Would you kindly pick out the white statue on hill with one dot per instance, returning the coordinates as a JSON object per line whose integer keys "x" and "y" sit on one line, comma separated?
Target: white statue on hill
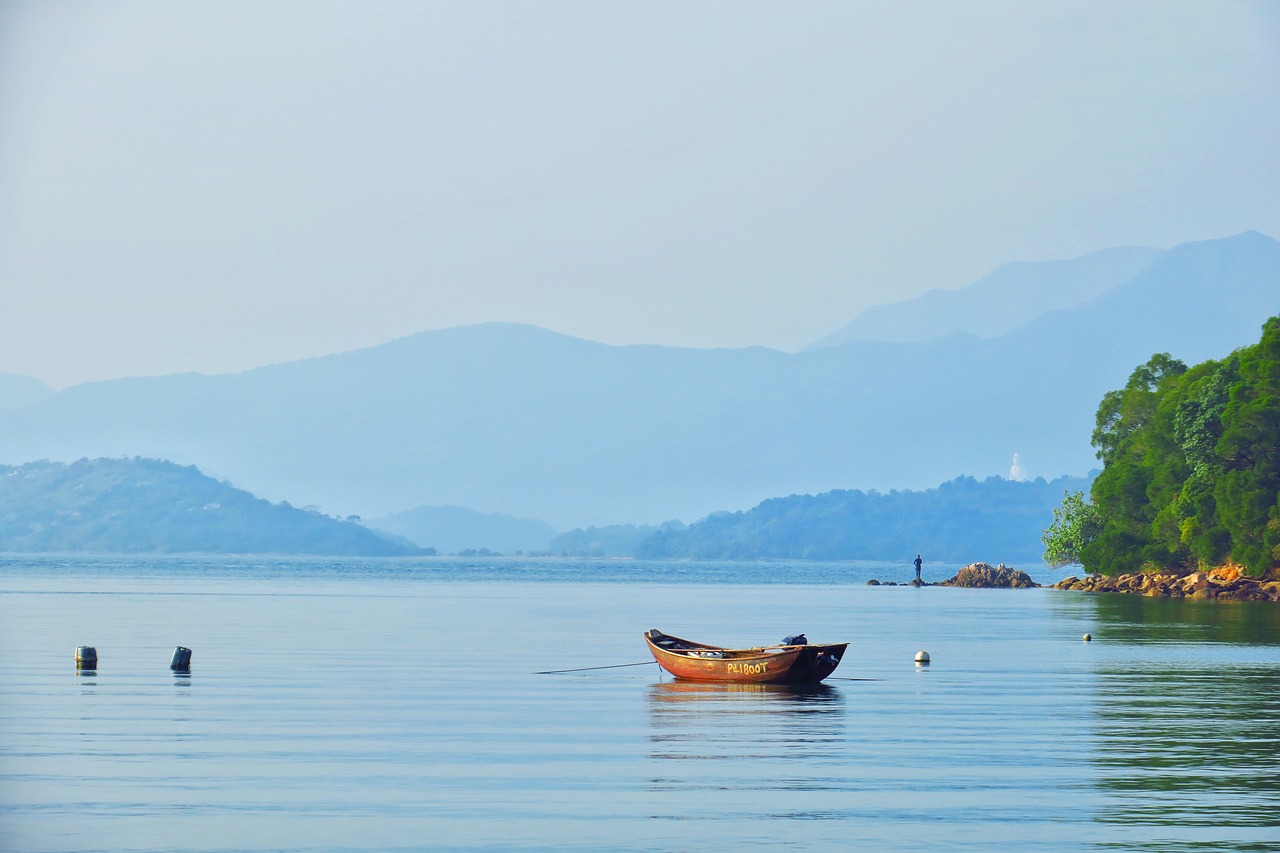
{"x": 1016, "y": 471}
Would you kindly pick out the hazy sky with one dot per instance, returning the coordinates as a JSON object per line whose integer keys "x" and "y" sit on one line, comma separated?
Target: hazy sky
{"x": 217, "y": 186}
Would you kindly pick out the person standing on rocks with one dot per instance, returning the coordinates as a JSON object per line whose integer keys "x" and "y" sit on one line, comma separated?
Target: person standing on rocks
{"x": 919, "y": 563}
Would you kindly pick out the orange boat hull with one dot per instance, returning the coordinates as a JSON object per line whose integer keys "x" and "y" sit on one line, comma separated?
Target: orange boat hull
{"x": 691, "y": 661}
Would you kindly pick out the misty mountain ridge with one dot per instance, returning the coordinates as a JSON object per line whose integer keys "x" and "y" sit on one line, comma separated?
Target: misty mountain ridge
{"x": 149, "y": 506}
{"x": 512, "y": 419}
{"x": 961, "y": 521}
{"x": 1008, "y": 298}
{"x": 18, "y": 391}
{"x": 964, "y": 520}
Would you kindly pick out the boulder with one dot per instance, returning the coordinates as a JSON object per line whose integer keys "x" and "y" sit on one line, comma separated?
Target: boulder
{"x": 984, "y": 576}
{"x": 1226, "y": 574}
{"x": 1195, "y": 582}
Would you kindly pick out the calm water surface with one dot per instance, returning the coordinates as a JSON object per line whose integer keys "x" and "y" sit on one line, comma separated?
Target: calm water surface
{"x": 396, "y": 705}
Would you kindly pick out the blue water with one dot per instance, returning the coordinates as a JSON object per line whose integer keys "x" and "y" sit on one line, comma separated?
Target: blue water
{"x": 395, "y": 705}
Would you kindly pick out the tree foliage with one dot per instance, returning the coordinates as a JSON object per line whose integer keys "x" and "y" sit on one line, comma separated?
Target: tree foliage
{"x": 1191, "y": 460}
{"x": 1075, "y": 524}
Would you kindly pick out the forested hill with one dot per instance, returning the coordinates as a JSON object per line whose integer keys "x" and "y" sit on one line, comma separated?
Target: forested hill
{"x": 149, "y": 506}
{"x": 1191, "y": 474}
{"x": 965, "y": 520}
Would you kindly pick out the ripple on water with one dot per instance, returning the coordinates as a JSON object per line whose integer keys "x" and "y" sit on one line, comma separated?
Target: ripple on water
{"x": 399, "y": 709}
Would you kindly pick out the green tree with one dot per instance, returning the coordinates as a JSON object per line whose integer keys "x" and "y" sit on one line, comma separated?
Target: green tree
{"x": 1075, "y": 525}
{"x": 1129, "y": 449}
{"x": 1246, "y": 491}
{"x": 1124, "y": 413}
{"x": 1191, "y": 462}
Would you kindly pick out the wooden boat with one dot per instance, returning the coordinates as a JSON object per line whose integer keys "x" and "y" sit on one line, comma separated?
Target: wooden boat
{"x": 781, "y": 664}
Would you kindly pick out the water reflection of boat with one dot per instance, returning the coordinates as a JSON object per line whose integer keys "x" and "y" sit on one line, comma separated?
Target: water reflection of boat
{"x": 713, "y": 726}
{"x": 781, "y": 664}
{"x": 793, "y": 696}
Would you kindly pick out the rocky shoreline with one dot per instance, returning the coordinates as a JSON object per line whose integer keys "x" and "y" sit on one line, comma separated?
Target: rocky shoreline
{"x": 1226, "y": 583}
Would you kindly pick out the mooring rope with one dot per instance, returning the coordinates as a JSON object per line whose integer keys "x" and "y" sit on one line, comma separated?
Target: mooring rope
{"x": 588, "y": 668}
{"x": 647, "y": 662}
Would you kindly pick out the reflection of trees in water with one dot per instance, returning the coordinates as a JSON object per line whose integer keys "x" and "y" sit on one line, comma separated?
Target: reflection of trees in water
{"x": 1191, "y": 742}
{"x": 1190, "y": 748}
{"x": 1136, "y": 618}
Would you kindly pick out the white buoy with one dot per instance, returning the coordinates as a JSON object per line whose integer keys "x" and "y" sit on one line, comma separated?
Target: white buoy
{"x": 922, "y": 657}
{"x": 1088, "y": 637}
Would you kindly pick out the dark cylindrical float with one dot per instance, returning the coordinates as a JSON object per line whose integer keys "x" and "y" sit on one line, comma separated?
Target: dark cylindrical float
{"x": 86, "y": 657}
{"x": 181, "y": 659}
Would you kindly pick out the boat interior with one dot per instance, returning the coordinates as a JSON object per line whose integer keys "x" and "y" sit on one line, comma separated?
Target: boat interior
{"x": 679, "y": 646}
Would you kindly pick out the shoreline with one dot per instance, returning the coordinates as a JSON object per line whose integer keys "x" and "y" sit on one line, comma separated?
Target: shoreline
{"x": 1226, "y": 583}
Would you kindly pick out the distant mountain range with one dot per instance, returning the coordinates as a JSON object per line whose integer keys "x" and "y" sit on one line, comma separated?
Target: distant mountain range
{"x": 150, "y": 506}
{"x": 1007, "y": 299}
{"x": 139, "y": 506}
{"x": 962, "y": 521}
{"x": 521, "y": 421}
{"x": 17, "y": 392}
